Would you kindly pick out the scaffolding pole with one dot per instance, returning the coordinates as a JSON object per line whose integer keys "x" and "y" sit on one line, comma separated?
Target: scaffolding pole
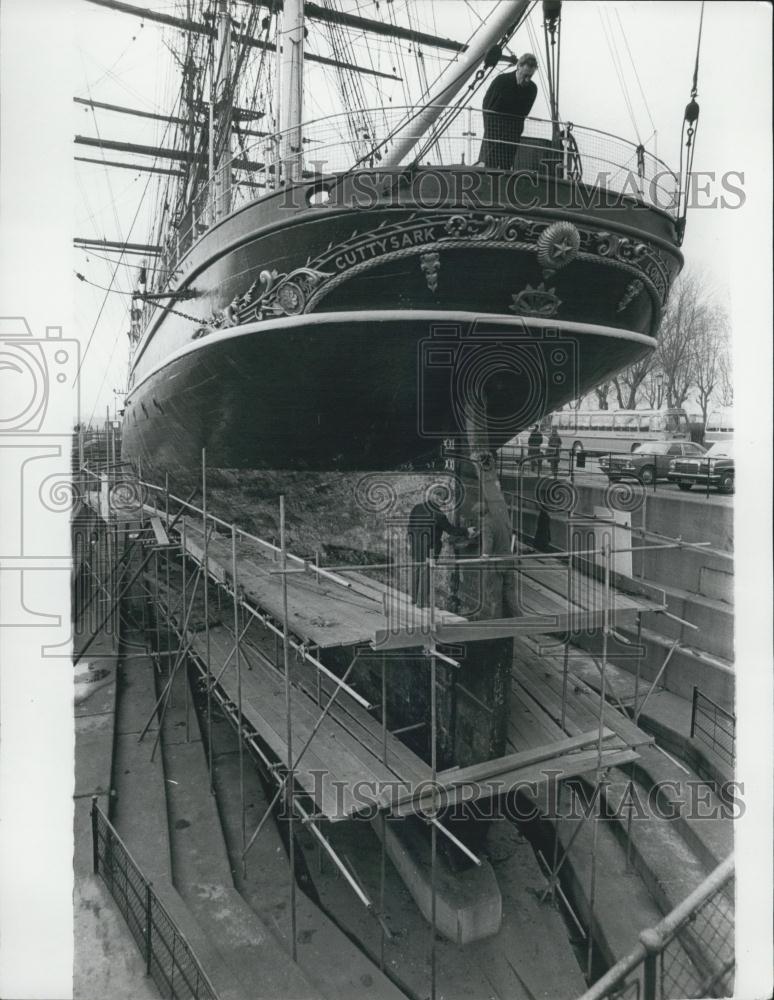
{"x": 237, "y": 641}
{"x": 289, "y": 785}
{"x": 283, "y": 782}
{"x": 205, "y": 534}
{"x": 168, "y": 645}
{"x": 187, "y": 693}
{"x": 434, "y": 775}
{"x": 247, "y": 736}
{"x": 181, "y": 652}
{"x": 230, "y": 711}
{"x": 79, "y": 656}
{"x": 383, "y": 815}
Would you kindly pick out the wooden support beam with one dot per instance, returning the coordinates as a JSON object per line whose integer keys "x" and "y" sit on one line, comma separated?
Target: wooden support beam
{"x": 491, "y": 768}
{"x": 165, "y": 152}
{"x": 174, "y": 119}
{"x": 130, "y": 166}
{"x": 202, "y": 29}
{"x": 456, "y": 776}
{"x": 557, "y": 768}
{"x": 131, "y": 111}
{"x": 317, "y": 13}
{"x": 93, "y": 244}
{"x": 159, "y": 531}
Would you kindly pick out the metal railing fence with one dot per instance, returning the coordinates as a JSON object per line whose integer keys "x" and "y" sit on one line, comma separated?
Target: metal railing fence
{"x": 714, "y": 726}
{"x": 599, "y": 160}
{"x": 658, "y": 968}
{"x": 168, "y": 956}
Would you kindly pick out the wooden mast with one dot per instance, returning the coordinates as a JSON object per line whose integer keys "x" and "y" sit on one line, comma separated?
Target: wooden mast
{"x": 220, "y": 121}
{"x": 290, "y": 68}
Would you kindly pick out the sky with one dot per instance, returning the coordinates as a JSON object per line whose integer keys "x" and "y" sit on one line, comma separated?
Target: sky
{"x": 51, "y": 50}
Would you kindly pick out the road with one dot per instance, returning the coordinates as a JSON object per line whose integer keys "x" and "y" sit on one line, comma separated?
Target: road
{"x": 592, "y": 475}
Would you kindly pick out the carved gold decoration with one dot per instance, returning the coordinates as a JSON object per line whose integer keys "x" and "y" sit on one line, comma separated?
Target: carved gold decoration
{"x": 431, "y": 232}
{"x": 430, "y": 264}
{"x": 538, "y": 301}
{"x": 633, "y": 289}
{"x": 427, "y": 234}
{"x": 557, "y": 246}
{"x": 271, "y": 294}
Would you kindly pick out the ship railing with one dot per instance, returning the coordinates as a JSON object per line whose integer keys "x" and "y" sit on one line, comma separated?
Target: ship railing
{"x": 702, "y": 927}
{"x": 342, "y": 143}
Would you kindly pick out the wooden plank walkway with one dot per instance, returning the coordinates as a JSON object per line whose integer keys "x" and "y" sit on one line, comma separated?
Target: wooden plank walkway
{"x": 345, "y": 769}
{"x": 322, "y": 612}
{"x": 349, "y": 747}
{"x": 584, "y": 591}
{"x": 536, "y": 703}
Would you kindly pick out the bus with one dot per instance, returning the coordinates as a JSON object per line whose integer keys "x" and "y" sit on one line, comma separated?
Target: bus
{"x": 720, "y": 425}
{"x": 598, "y": 431}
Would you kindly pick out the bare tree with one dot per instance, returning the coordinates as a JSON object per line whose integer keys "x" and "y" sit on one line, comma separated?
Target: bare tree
{"x": 685, "y": 316}
{"x": 629, "y": 383}
{"x": 726, "y": 376}
{"x": 710, "y": 344}
{"x": 602, "y": 391}
{"x": 577, "y": 404}
{"x": 652, "y": 388}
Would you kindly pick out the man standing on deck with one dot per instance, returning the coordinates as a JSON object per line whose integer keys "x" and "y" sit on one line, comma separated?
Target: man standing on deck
{"x": 427, "y": 524}
{"x": 507, "y": 102}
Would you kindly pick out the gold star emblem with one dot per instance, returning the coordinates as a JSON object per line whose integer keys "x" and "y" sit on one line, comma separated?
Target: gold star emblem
{"x": 561, "y": 249}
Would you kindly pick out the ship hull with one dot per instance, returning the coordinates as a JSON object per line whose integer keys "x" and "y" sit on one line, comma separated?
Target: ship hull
{"x": 369, "y": 390}
{"x": 304, "y": 336}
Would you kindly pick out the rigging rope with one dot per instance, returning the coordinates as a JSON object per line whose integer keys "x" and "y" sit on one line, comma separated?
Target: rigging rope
{"x": 418, "y": 110}
{"x": 445, "y": 121}
{"x": 110, "y": 289}
{"x": 687, "y": 143}
{"x": 636, "y": 74}
{"x": 535, "y": 48}
{"x": 608, "y": 33}
{"x": 694, "y": 88}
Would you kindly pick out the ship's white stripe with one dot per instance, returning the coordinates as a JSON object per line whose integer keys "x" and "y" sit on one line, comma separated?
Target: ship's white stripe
{"x": 393, "y": 315}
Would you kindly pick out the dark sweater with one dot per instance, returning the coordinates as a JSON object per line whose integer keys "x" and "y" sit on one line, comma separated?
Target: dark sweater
{"x": 427, "y": 526}
{"x": 506, "y": 105}
{"x": 506, "y": 97}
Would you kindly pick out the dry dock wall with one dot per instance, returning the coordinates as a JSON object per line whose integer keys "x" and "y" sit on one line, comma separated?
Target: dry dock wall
{"x": 698, "y": 583}
{"x": 704, "y": 573}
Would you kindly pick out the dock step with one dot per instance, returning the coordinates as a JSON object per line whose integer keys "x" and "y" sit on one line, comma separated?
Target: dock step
{"x": 468, "y": 904}
{"x": 140, "y": 809}
{"x": 201, "y": 867}
{"x": 336, "y": 966}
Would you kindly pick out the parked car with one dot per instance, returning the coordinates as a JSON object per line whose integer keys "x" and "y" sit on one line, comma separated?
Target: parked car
{"x": 715, "y": 468}
{"x": 649, "y": 461}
